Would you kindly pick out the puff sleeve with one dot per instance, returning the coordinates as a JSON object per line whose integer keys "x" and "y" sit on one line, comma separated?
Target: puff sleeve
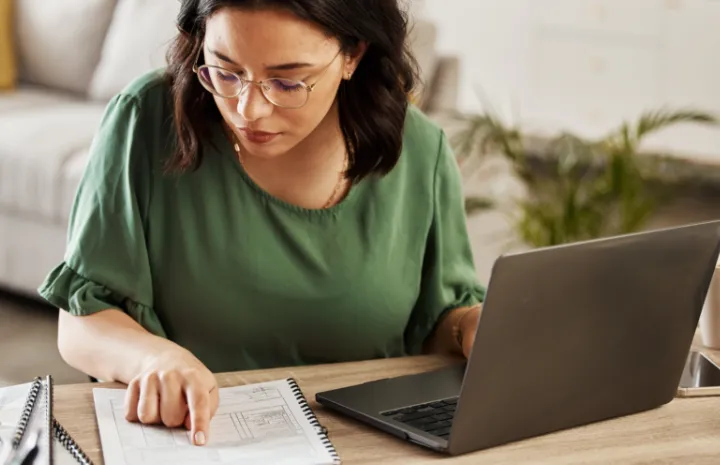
{"x": 449, "y": 278}
{"x": 106, "y": 263}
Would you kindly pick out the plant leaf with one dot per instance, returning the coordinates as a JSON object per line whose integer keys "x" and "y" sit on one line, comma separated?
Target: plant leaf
{"x": 476, "y": 204}
{"x": 652, "y": 121}
{"x": 599, "y": 187}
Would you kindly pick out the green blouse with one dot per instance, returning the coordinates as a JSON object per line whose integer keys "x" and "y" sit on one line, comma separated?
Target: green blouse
{"x": 245, "y": 280}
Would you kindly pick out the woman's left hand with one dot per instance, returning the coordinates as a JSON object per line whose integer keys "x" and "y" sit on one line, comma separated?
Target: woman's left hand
{"x": 468, "y": 327}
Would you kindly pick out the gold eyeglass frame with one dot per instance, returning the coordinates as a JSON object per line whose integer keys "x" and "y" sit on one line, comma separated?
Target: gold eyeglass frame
{"x": 261, "y": 84}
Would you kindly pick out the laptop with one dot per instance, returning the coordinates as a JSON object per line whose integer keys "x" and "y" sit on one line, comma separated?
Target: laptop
{"x": 569, "y": 335}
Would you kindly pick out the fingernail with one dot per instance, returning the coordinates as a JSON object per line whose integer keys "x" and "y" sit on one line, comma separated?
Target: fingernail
{"x": 200, "y": 438}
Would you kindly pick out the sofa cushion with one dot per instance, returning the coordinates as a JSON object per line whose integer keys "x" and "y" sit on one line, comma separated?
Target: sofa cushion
{"x": 36, "y": 146}
{"x": 28, "y": 249}
{"x": 59, "y": 41}
{"x": 70, "y": 177}
{"x": 25, "y": 97}
{"x": 137, "y": 41}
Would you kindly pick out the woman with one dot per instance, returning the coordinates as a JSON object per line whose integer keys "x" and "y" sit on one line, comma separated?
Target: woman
{"x": 271, "y": 199}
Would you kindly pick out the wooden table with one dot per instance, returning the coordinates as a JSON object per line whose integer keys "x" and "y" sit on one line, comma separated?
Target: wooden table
{"x": 685, "y": 431}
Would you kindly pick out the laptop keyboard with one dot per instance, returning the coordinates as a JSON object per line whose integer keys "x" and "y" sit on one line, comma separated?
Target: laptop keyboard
{"x": 433, "y": 417}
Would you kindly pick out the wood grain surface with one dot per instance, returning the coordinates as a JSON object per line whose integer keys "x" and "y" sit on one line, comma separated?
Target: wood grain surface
{"x": 685, "y": 431}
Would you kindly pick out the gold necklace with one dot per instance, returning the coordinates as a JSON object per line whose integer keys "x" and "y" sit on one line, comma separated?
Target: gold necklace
{"x": 338, "y": 184}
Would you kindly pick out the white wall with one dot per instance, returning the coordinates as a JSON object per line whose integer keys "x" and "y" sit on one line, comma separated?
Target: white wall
{"x": 585, "y": 65}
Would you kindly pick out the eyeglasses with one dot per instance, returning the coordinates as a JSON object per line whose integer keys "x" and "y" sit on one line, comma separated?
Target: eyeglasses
{"x": 283, "y": 93}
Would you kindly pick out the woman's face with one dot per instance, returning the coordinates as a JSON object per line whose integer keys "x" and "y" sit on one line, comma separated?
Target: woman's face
{"x": 265, "y": 44}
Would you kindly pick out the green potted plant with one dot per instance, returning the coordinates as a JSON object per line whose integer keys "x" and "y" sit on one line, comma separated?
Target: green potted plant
{"x": 576, "y": 188}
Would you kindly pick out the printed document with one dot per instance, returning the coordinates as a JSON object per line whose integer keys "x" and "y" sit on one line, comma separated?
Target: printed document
{"x": 267, "y": 422}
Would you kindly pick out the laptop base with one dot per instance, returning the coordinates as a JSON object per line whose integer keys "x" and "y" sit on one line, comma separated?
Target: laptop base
{"x": 371, "y": 402}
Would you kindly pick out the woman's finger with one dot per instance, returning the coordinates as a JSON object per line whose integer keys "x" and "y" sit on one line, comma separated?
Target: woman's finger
{"x": 199, "y": 405}
{"x": 172, "y": 402}
{"x": 214, "y": 403}
{"x": 148, "y": 405}
{"x": 132, "y": 396}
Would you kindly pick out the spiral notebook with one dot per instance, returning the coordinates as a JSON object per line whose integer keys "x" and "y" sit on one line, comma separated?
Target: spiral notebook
{"x": 26, "y": 415}
{"x": 269, "y": 422}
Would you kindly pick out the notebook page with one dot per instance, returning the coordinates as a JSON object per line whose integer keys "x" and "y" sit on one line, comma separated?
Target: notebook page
{"x": 12, "y": 402}
{"x": 254, "y": 424}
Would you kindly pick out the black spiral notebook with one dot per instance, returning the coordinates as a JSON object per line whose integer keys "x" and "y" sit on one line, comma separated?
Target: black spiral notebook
{"x": 28, "y": 428}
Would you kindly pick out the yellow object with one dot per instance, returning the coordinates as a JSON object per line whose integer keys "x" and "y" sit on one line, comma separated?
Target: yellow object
{"x": 8, "y": 65}
{"x": 413, "y": 97}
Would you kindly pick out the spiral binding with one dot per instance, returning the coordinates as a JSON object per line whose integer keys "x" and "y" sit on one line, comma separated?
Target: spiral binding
{"x": 312, "y": 418}
{"x": 60, "y": 433}
{"x": 69, "y": 444}
{"x": 27, "y": 412}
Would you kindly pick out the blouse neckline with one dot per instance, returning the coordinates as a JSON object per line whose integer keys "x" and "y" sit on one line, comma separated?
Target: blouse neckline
{"x": 227, "y": 150}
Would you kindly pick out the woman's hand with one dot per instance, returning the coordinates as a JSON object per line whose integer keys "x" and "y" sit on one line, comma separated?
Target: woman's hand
{"x": 455, "y": 333}
{"x": 174, "y": 389}
{"x": 467, "y": 328}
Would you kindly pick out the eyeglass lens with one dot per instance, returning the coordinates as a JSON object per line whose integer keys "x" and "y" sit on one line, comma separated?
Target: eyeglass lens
{"x": 281, "y": 92}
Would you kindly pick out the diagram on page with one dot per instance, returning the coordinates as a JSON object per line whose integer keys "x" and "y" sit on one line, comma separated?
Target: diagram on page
{"x": 262, "y": 424}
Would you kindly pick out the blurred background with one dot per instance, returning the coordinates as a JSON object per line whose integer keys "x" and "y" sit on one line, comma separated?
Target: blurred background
{"x": 571, "y": 119}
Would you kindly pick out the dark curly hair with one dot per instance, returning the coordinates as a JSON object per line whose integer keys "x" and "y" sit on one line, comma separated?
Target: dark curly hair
{"x": 372, "y": 106}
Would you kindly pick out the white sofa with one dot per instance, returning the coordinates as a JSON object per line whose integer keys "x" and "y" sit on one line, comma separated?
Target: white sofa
{"x": 74, "y": 55}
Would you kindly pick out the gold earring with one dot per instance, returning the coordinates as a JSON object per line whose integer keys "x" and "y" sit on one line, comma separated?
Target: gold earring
{"x": 348, "y": 75}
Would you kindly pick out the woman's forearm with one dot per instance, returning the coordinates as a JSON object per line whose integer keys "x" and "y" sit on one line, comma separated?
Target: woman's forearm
{"x": 453, "y": 328}
{"x": 108, "y": 345}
